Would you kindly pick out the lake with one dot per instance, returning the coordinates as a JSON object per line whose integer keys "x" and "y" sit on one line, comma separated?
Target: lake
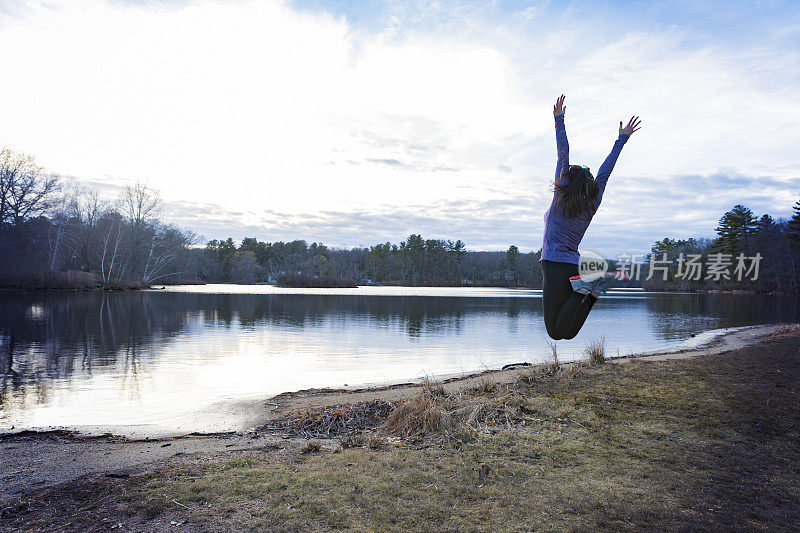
{"x": 160, "y": 358}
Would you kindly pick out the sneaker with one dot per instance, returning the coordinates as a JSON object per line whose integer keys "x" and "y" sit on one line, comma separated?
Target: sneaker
{"x": 603, "y": 283}
{"x": 581, "y": 285}
{"x": 596, "y": 286}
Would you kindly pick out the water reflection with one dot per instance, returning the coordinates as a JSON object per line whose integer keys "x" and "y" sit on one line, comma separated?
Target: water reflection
{"x": 143, "y": 357}
{"x": 673, "y": 315}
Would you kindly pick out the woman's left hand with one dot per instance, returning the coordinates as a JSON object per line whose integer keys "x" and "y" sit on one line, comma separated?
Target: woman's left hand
{"x": 633, "y": 125}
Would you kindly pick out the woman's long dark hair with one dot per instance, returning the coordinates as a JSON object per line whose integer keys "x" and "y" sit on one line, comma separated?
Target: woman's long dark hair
{"x": 577, "y": 193}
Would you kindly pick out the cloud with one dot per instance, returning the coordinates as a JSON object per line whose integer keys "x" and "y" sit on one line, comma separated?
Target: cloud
{"x": 629, "y": 220}
{"x": 374, "y": 122}
{"x": 414, "y": 166}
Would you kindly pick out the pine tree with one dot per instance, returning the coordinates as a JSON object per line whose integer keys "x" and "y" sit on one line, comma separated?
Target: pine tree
{"x": 794, "y": 225}
{"x": 512, "y": 255}
{"x": 667, "y": 246}
{"x": 734, "y": 228}
{"x": 766, "y": 222}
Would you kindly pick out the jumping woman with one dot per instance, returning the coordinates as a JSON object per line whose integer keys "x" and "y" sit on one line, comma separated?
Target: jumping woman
{"x": 567, "y": 298}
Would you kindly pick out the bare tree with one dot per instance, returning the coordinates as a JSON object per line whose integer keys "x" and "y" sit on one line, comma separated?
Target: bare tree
{"x": 87, "y": 208}
{"x": 166, "y": 243}
{"x": 60, "y": 235}
{"x": 25, "y": 189}
{"x": 140, "y": 203}
{"x": 109, "y": 254}
{"x": 141, "y": 206}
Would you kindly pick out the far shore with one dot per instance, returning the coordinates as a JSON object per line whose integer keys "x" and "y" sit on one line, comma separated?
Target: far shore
{"x": 24, "y": 287}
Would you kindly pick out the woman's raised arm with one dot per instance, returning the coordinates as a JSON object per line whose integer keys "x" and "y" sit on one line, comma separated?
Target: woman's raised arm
{"x": 562, "y": 145}
{"x": 608, "y": 165}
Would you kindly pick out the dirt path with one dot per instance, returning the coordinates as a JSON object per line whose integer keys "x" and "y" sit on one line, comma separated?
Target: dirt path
{"x": 35, "y": 460}
{"x": 31, "y": 461}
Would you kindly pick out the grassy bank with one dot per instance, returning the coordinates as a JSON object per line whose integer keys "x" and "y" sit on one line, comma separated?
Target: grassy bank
{"x": 702, "y": 443}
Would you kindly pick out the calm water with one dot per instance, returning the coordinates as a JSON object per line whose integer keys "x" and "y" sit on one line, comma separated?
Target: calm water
{"x": 104, "y": 359}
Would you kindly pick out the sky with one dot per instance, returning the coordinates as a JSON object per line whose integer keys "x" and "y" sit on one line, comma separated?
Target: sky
{"x": 354, "y": 123}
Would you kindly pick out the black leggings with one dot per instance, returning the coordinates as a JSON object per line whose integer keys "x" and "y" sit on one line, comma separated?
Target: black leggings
{"x": 565, "y": 310}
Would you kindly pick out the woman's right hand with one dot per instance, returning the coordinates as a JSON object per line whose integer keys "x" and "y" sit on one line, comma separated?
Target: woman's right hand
{"x": 559, "y": 108}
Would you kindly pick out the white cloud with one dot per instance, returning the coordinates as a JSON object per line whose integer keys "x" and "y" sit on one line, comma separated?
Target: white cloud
{"x": 258, "y": 108}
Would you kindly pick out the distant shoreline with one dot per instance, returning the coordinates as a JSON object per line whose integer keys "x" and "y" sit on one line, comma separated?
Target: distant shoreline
{"x": 161, "y": 286}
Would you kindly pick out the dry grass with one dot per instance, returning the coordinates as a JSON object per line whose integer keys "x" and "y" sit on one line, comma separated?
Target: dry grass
{"x": 553, "y": 366}
{"x": 376, "y": 442}
{"x": 354, "y": 440}
{"x": 436, "y": 412}
{"x": 482, "y": 408}
{"x": 596, "y": 351}
{"x": 424, "y": 414}
{"x": 550, "y": 368}
{"x": 432, "y": 388}
{"x": 485, "y": 385}
{"x": 332, "y": 421}
{"x": 311, "y": 447}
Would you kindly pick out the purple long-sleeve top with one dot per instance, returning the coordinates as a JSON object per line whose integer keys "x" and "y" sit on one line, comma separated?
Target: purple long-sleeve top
{"x": 562, "y": 234}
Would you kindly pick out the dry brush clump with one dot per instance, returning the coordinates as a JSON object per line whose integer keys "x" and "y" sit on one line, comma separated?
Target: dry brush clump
{"x": 311, "y": 447}
{"x": 550, "y": 368}
{"x": 787, "y": 330}
{"x": 483, "y": 386}
{"x": 553, "y": 366}
{"x": 422, "y": 414}
{"x": 434, "y": 412}
{"x": 594, "y": 354}
{"x": 596, "y": 351}
{"x": 333, "y": 421}
{"x": 433, "y": 388}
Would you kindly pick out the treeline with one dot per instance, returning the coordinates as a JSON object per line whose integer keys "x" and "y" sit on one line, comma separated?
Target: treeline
{"x": 49, "y": 228}
{"x": 750, "y": 253}
{"x": 414, "y": 261}
{"x": 55, "y": 234}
